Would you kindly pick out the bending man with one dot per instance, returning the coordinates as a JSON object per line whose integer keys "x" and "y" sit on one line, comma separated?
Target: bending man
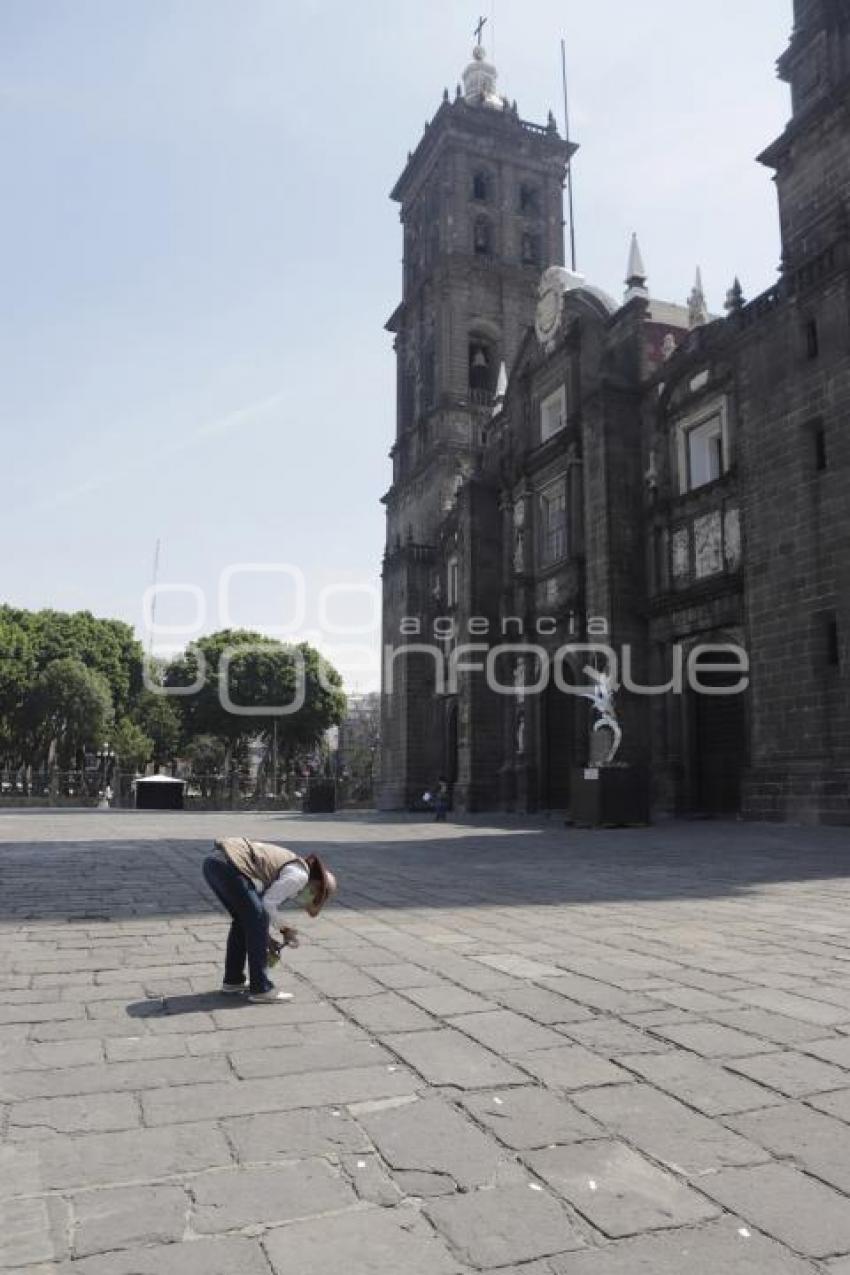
{"x": 254, "y": 880}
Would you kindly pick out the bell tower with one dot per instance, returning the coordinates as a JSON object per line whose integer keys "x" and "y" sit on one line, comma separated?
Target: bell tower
{"x": 481, "y": 207}
{"x": 810, "y": 159}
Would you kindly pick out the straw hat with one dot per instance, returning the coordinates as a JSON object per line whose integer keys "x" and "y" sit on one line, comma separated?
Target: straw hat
{"x": 324, "y": 878}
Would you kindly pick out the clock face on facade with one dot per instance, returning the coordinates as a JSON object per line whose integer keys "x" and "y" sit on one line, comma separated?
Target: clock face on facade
{"x": 548, "y": 314}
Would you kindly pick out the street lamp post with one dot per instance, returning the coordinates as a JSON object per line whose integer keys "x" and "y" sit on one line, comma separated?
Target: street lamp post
{"x": 104, "y": 756}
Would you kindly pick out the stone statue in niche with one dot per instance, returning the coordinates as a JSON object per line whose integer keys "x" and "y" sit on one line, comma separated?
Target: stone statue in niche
{"x": 520, "y": 734}
{"x": 519, "y": 535}
{"x": 519, "y": 549}
{"x": 601, "y": 697}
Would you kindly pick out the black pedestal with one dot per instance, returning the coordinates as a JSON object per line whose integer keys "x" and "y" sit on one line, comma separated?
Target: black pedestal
{"x": 610, "y": 796}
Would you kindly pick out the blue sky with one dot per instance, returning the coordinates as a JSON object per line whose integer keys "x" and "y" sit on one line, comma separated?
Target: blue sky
{"x": 198, "y": 256}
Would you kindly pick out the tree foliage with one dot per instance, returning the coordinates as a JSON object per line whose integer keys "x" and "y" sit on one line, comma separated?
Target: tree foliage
{"x": 68, "y": 707}
{"x": 69, "y": 680}
{"x": 18, "y": 671}
{"x": 132, "y": 747}
{"x": 159, "y": 719}
{"x": 33, "y": 644}
{"x": 244, "y": 670}
{"x": 205, "y": 755}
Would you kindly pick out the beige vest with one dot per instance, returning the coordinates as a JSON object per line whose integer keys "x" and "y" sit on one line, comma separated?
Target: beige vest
{"x": 260, "y": 860}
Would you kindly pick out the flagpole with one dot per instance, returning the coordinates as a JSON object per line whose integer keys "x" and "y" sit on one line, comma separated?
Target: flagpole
{"x": 153, "y": 599}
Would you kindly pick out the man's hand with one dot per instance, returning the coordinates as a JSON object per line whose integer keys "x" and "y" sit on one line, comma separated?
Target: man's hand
{"x": 290, "y": 936}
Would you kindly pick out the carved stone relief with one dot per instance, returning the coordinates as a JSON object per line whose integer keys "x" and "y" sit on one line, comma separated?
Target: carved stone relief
{"x": 732, "y": 539}
{"x": 681, "y": 555}
{"x": 708, "y": 545}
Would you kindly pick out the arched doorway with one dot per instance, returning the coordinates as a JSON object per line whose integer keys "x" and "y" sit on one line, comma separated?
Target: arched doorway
{"x": 718, "y": 737}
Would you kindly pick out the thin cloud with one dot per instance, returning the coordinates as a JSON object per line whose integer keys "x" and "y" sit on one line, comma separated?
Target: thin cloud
{"x": 243, "y": 418}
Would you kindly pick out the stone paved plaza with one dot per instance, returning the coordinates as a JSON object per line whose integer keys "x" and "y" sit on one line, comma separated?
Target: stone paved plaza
{"x": 513, "y": 1048}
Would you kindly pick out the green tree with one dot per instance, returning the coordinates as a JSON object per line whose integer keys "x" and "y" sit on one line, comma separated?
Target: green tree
{"x": 18, "y": 670}
{"x": 206, "y": 761}
{"x": 32, "y": 642}
{"x": 258, "y": 673}
{"x": 69, "y": 708}
{"x": 159, "y": 718}
{"x": 107, "y": 647}
{"x": 133, "y": 748}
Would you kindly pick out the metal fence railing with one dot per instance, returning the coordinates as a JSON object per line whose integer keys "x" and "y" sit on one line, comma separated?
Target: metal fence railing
{"x": 202, "y": 792}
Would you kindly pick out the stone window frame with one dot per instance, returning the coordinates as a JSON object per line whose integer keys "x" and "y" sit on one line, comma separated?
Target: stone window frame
{"x": 483, "y": 237}
{"x": 827, "y": 644}
{"x": 553, "y": 542}
{"x": 686, "y": 427}
{"x": 531, "y": 248}
{"x": 482, "y": 178}
{"x": 553, "y": 404}
{"x": 530, "y": 199}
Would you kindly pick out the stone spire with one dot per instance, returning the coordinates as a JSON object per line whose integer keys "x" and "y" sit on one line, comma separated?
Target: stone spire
{"x": 635, "y": 274}
{"x": 479, "y": 79}
{"x": 697, "y": 308}
{"x": 735, "y": 297}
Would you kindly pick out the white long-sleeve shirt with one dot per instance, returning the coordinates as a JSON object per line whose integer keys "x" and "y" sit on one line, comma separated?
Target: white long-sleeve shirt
{"x": 291, "y": 881}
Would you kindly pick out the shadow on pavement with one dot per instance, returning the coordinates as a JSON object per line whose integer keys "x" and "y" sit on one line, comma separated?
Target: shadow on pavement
{"x": 194, "y": 1003}
{"x": 126, "y": 869}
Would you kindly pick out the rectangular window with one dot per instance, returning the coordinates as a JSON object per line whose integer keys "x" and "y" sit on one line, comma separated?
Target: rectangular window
{"x": 703, "y": 449}
{"x": 833, "y": 657}
{"x": 553, "y": 520}
{"x": 553, "y": 413}
{"x": 812, "y": 339}
{"x": 832, "y": 654}
{"x": 705, "y": 453}
{"x": 530, "y": 250}
{"x": 452, "y": 582}
{"x": 827, "y": 645}
{"x": 814, "y": 444}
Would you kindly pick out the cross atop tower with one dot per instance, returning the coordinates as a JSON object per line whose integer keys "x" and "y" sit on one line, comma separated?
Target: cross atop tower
{"x": 482, "y": 22}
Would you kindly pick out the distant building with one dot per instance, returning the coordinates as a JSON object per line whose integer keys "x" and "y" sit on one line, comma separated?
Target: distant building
{"x": 646, "y": 476}
{"x": 358, "y": 743}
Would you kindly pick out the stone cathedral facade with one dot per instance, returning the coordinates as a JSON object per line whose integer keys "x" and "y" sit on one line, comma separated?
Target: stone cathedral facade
{"x": 575, "y": 475}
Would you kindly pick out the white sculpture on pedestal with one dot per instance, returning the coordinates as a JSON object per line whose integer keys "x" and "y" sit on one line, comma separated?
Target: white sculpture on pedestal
{"x": 601, "y": 697}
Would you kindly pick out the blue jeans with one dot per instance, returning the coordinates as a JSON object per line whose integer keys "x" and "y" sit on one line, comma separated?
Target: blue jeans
{"x": 249, "y": 932}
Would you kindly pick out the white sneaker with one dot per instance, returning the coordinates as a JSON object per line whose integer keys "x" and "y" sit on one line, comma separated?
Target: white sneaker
{"x": 272, "y": 997}
{"x": 234, "y": 989}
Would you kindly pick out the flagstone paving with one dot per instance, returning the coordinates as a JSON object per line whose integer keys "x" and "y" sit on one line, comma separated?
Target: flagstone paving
{"x": 513, "y": 1048}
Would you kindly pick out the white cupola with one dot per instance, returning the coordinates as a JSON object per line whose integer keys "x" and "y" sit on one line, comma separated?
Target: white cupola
{"x": 479, "y": 81}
